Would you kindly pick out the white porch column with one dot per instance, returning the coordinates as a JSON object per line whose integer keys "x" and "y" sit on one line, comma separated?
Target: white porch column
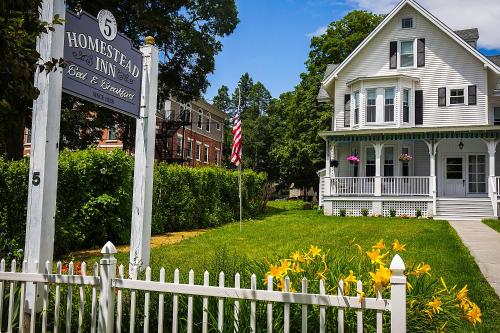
{"x": 432, "y": 146}
{"x": 378, "y": 168}
{"x": 327, "y": 179}
{"x": 492, "y": 190}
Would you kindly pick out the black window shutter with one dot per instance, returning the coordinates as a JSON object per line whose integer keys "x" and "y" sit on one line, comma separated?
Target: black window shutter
{"x": 393, "y": 55}
{"x": 442, "y": 96}
{"x": 347, "y": 110}
{"x": 472, "y": 95}
{"x": 421, "y": 52}
{"x": 419, "y": 107}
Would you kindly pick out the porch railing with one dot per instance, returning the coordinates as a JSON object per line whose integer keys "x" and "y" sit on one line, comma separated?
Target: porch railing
{"x": 406, "y": 186}
{"x": 497, "y": 182}
{"x": 353, "y": 186}
{"x": 390, "y": 186}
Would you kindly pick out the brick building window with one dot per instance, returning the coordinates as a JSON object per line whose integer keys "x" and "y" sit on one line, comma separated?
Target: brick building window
{"x": 207, "y": 124}
{"x": 205, "y": 156}
{"x": 179, "y": 145}
{"x": 217, "y": 156}
{"x": 190, "y": 148}
{"x": 198, "y": 151}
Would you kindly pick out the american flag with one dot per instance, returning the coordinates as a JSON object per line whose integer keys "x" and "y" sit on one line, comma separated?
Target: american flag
{"x": 236, "y": 153}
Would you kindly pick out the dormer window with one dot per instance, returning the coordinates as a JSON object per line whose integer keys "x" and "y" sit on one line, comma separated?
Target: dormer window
{"x": 407, "y": 23}
{"x": 407, "y": 58}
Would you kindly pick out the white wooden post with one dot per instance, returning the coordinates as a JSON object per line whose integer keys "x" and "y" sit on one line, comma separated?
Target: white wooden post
{"x": 107, "y": 272}
{"x": 327, "y": 178}
{"x": 42, "y": 184}
{"x": 398, "y": 295}
{"x": 432, "y": 146}
{"x": 492, "y": 190}
{"x": 144, "y": 159}
{"x": 378, "y": 168}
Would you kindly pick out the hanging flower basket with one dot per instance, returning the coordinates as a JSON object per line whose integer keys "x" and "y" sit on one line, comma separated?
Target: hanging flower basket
{"x": 405, "y": 157}
{"x": 353, "y": 159}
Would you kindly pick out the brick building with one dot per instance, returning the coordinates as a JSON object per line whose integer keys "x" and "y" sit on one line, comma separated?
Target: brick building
{"x": 189, "y": 134}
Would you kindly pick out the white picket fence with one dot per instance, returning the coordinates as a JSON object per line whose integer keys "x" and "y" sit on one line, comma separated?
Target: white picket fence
{"x": 106, "y": 308}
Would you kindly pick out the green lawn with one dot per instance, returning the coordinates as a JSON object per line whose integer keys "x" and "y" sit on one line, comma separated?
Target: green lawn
{"x": 285, "y": 228}
{"x": 495, "y": 224}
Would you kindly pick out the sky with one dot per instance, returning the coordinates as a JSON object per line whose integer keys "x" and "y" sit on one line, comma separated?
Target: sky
{"x": 272, "y": 40}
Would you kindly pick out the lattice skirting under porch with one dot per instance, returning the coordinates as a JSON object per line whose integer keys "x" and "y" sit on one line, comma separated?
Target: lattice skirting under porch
{"x": 355, "y": 207}
{"x": 352, "y": 208}
{"x": 408, "y": 208}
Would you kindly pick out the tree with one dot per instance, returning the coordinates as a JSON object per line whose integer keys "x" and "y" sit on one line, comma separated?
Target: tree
{"x": 187, "y": 32}
{"x": 300, "y": 151}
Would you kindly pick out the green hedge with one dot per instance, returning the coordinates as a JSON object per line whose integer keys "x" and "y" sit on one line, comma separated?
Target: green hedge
{"x": 94, "y": 199}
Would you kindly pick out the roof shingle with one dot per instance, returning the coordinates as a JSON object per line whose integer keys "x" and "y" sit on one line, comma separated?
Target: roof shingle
{"x": 468, "y": 34}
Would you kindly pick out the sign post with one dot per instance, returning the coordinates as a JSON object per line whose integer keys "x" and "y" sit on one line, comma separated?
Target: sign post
{"x": 144, "y": 159}
{"x": 42, "y": 186}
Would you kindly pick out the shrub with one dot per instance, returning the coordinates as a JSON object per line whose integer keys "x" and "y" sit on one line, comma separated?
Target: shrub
{"x": 342, "y": 212}
{"x": 392, "y": 212}
{"x": 418, "y": 213}
{"x": 364, "y": 211}
{"x": 94, "y": 198}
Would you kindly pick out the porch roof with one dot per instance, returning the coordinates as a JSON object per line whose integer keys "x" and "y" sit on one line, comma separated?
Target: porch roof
{"x": 415, "y": 133}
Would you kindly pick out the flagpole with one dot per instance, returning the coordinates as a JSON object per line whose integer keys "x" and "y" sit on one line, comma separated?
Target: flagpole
{"x": 239, "y": 165}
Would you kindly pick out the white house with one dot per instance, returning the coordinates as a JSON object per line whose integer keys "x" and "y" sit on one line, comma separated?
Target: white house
{"x": 419, "y": 106}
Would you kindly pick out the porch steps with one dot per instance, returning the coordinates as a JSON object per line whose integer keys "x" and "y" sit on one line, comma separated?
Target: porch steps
{"x": 463, "y": 208}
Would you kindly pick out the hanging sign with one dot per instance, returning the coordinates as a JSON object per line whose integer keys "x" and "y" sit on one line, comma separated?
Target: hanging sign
{"x": 101, "y": 64}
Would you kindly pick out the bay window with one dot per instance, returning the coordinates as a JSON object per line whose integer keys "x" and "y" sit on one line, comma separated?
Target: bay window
{"x": 356, "y": 108}
{"x": 406, "y": 105}
{"x": 371, "y": 105}
{"x": 389, "y": 105}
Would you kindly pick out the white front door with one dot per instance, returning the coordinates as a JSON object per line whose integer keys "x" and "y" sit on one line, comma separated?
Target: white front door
{"x": 454, "y": 176}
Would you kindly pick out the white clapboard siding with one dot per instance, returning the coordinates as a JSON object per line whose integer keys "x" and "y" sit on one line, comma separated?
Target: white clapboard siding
{"x": 447, "y": 64}
{"x": 118, "y": 284}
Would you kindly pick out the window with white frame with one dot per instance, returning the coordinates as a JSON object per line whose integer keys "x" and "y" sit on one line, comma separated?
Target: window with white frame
{"x": 179, "y": 145}
{"x": 190, "y": 148}
{"x": 407, "y": 57}
{"x": 217, "y": 156}
{"x": 205, "y": 155}
{"x": 407, "y": 22}
{"x": 406, "y": 105}
{"x": 371, "y": 105}
{"x": 457, "y": 96}
{"x": 198, "y": 151}
{"x": 496, "y": 115}
{"x": 388, "y": 161}
{"x": 200, "y": 119}
{"x": 389, "y": 104}
{"x": 207, "y": 124}
{"x": 356, "y": 108}
{"x": 370, "y": 162}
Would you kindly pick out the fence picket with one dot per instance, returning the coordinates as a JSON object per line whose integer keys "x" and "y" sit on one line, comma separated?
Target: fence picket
{"x": 220, "y": 314}
{"x": 206, "y": 282}
{"x": 81, "y": 308}
{"x": 33, "y": 308}
{"x": 359, "y": 312}
{"x": 304, "y": 306}
{"x": 161, "y": 303}
{"x": 58, "y": 299}
{"x": 69, "y": 299}
{"x": 322, "y": 314}
{"x": 175, "y": 304}
{"x": 2, "y": 269}
{"x": 237, "y": 285}
{"x": 340, "y": 314}
{"x": 119, "y": 301}
{"x": 93, "y": 311}
{"x": 286, "y": 308}
{"x": 270, "y": 306}
{"x": 253, "y": 306}
{"x": 379, "y": 313}
{"x": 190, "y": 304}
{"x": 21, "y": 299}
{"x": 11, "y": 298}
{"x": 131, "y": 328}
{"x": 147, "y": 297}
{"x": 45, "y": 306}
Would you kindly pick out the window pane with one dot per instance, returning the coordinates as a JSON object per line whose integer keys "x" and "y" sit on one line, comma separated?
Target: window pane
{"x": 389, "y": 104}
{"x": 406, "y": 60}
{"x": 371, "y": 109}
{"x": 407, "y": 23}
{"x": 356, "y": 107}
{"x": 370, "y": 156}
{"x": 389, "y": 155}
{"x": 407, "y": 47}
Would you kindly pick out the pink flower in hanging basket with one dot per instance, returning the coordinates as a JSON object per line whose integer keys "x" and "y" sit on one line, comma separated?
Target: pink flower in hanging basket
{"x": 353, "y": 159}
{"x": 405, "y": 157}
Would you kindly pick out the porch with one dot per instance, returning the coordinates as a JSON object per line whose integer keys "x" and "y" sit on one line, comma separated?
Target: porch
{"x": 411, "y": 170}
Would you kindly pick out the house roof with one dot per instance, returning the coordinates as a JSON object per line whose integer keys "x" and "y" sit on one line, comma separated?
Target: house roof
{"x": 468, "y": 34}
{"x": 322, "y": 94}
{"x": 495, "y": 59}
{"x": 427, "y": 15}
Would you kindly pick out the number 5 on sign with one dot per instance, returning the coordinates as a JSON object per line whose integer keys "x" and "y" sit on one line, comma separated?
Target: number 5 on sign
{"x": 107, "y": 24}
